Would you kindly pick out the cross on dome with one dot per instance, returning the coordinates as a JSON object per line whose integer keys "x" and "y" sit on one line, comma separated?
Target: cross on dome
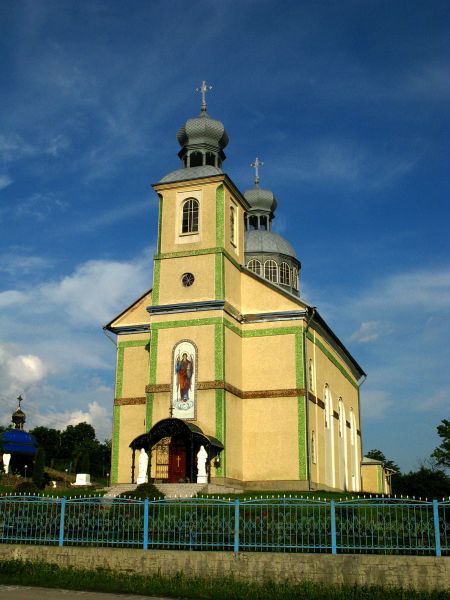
{"x": 20, "y": 399}
{"x": 203, "y": 89}
{"x": 256, "y": 166}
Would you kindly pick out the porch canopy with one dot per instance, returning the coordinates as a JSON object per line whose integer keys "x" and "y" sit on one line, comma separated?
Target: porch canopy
{"x": 192, "y": 435}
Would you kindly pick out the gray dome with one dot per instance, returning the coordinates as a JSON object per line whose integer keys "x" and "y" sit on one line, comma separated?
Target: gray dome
{"x": 257, "y": 241}
{"x": 261, "y": 199}
{"x": 203, "y": 131}
{"x": 191, "y": 173}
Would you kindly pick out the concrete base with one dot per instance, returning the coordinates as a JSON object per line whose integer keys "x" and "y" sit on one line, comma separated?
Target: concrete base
{"x": 83, "y": 479}
{"x": 407, "y": 572}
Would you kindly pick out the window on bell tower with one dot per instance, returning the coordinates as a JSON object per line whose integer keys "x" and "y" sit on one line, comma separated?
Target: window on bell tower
{"x": 190, "y": 216}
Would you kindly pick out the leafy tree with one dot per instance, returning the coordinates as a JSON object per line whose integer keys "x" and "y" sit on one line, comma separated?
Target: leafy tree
{"x": 424, "y": 483}
{"x": 38, "y": 470}
{"x": 48, "y": 439}
{"x": 83, "y": 462}
{"x": 75, "y": 438}
{"x": 442, "y": 452}
{"x": 378, "y": 455}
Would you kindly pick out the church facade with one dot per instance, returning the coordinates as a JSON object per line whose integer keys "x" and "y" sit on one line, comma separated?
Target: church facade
{"x": 223, "y": 352}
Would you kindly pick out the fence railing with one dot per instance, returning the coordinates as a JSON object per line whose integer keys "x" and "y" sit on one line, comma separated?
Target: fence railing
{"x": 366, "y": 526}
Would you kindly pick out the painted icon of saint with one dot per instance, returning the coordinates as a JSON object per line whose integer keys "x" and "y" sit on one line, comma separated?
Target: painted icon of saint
{"x": 184, "y": 369}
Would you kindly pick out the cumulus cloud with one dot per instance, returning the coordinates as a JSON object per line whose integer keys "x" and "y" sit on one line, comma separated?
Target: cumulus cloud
{"x": 20, "y": 372}
{"x": 367, "y": 332}
{"x": 5, "y": 181}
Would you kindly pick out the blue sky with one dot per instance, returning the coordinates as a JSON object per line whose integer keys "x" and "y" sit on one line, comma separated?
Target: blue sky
{"x": 345, "y": 104}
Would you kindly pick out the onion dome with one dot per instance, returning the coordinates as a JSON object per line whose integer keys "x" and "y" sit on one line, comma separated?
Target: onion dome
{"x": 18, "y": 416}
{"x": 203, "y": 131}
{"x": 261, "y": 200}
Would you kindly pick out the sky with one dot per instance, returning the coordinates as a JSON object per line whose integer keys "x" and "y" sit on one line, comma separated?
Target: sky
{"x": 344, "y": 102}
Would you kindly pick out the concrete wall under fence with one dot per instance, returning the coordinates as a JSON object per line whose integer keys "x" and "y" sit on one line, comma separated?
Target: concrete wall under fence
{"x": 408, "y": 572}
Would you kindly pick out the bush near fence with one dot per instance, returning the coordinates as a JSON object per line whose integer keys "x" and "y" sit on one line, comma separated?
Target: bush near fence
{"x": 367, "y": 526}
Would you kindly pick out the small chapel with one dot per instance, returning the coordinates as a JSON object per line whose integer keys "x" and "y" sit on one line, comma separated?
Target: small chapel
{"x": 223, "y": 355}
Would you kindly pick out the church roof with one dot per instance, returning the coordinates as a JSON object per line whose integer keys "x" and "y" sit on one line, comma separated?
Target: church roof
{"x": 17, "y": 440}
{"x": 184, "y": 173}
{"x": 257, "y": 241}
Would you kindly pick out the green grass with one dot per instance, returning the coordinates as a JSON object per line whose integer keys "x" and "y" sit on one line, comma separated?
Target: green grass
{"x": 180, "y": 586}
{"x": 251, "y": 494}
{"x": 59, "y": 493}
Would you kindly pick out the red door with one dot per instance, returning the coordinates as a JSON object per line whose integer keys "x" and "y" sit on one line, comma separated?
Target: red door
{"x": 177, "y": 463}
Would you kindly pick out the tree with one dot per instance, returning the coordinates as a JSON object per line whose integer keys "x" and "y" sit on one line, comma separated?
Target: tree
{"x": 76, "y": 437}
{"x": 83, "y": 462}
{"x": 49, "y": 440}
{"x": 38, "y": 470}
{"x": 424, "y": 483}
{"x": 442, "y": 452}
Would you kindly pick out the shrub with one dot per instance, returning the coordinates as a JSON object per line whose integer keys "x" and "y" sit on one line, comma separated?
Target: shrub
{"x": 144, "y": 490}
{"x": 26, "y": 487}
{"x": 38, "y": 470}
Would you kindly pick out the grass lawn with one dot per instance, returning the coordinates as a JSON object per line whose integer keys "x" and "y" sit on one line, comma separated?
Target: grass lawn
{"x": 44, "y": 575}
{"x": 252, "y": 494}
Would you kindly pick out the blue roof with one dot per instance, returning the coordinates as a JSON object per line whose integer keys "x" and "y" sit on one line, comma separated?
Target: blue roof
{"x": 16, "y": 440}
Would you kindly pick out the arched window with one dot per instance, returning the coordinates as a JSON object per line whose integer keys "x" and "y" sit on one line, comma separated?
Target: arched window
{"x": 196, "y": 159}
{"x": 271, "y": 271}
{"x": 285, "y": 274}
{"x": 341, "y": 418}
{"x": 233, "y": 224}
{"x": 255, "y": 266}
{"x": 263, "y": 223}
{"x": 295, "y": 278}
{"x": 190, "y": 216}
{"x": 253, "y": 222}
{"x": 311, "y": 374}
{"x": 352, "y": 427}
{"x": 210, "y": 159}
{"x": 327, "y": 402}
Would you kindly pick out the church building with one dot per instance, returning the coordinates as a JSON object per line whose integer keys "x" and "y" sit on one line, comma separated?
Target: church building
{"x": 223, "y": 352}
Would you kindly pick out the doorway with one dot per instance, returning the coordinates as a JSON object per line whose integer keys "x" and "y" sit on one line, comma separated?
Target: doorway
{"x": 177, "y": 462}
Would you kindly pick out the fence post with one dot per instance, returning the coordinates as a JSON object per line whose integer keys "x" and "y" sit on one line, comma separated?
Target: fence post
{"x": 333, "y": 527}
{"x": 437, "y": 533}
{"x": 236, "y": 525}
{"x": 145, "y": 546}
{"x": 61, "y": 521}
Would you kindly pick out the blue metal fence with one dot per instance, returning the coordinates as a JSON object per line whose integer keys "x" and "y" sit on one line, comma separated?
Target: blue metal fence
{"x": 375, "y": 525}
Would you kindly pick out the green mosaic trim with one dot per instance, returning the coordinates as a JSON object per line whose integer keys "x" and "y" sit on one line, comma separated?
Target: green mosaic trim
{"x": 153, "y": 356}
{"x": 119, "y": 370}
{"x": 115, "y": 445}
{"x": 332, "y": 359}
{"x": 219, "y": 341}
{"x": 299, "y": 361}
{"x": 149, "y": 412}
{"x": 220, "y": 430}
{"x": 219, "y": 277}
{"x": 261, "y": 332}
{"x": 302, "y": 450}
{"x": 186, "y": 253}
{"x": 186, "y": 323}
{"x": 220, "y": 214}
{"x": 156, "y": 281}
{"x": 132, "y": 344}
{"x": 160, "y": 209}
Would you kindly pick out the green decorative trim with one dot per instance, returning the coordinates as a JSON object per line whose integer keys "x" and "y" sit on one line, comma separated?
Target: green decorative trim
{"x": 185, "y": 253}
{"x": 153, "y": 357}
{"x": 115, "y": 445}
{"x": 219, "y": 341}
{"x": 220, "y": 214}
{"x": 160, "y": 209}
{"x": 119, "y": 370}
{"x": 332, "y": 359}
{"x": 380, "y": 480}
{"x": 149, "y": 412}
{"x": 219, "y": 276}
{"x": 299, "y": 363}
{"x": 220, "y": 430}
{"x": 133, "y": 344}
{"x": 186, "y": 323}
{"x": 156, "y": 281}
{"x": 302, "y": 450}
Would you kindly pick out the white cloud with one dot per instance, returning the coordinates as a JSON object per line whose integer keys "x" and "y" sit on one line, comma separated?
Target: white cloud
{"x": 20, "y": 372}
{"x": 39, "y": 206}
{"x": 5, "y": 181}
{"x": 22, "y": 264}
{"x": 367, "y": 332}
{"x": 11, "y": 297}
{"x": 112, "y": 216}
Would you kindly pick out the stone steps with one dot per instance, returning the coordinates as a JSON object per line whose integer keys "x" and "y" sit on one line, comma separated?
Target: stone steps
{"x": 181, "y": 490}
{"x": 119, "y": 488}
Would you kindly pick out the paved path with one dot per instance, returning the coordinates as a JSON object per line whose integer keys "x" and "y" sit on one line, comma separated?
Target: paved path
{"x": 18, "y": 592}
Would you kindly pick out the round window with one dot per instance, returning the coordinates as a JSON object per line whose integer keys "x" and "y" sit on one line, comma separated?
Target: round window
{"x": 187, "y": 279}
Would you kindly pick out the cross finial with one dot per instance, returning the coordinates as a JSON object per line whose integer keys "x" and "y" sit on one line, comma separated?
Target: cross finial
{"x": 20, "y": 399}
{"x": 256, "y": 166}
{"x": 203, "y": 89}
